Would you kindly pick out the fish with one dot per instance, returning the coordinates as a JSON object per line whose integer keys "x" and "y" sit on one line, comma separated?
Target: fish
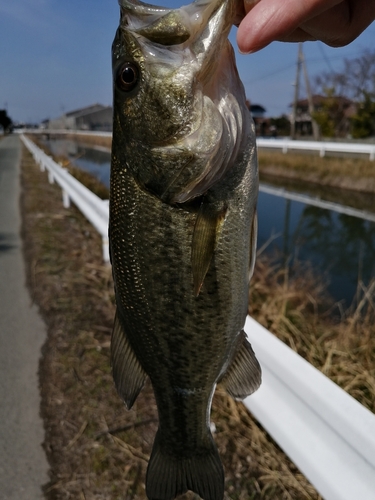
{"x": 182, "y": 231}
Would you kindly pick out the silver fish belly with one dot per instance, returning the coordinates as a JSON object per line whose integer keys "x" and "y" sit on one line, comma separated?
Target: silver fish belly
{"x": 184, "y": 184}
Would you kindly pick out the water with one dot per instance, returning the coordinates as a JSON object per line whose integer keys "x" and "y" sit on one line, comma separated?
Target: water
{"x": 340, "y": 247}
{"x": 94, "y": 160}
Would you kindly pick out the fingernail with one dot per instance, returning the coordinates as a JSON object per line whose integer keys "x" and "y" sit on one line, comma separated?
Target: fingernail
{"x": 245, "y": 53}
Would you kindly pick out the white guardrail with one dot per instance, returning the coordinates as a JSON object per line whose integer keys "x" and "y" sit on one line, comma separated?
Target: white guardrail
{"x": 322, "y": 146}
{"x": 325, "y": 432}
{"x": 284, "y": 144}
{"x": 92, "y": 207}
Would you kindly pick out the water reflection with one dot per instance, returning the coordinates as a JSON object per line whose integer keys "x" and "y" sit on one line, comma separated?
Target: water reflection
{"x": 340, "y": 246}
{"x": 96, "y": 160}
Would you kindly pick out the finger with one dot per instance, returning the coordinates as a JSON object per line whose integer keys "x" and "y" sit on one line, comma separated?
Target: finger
{"x": 244, "y": 8}
{"x": 249, "y": 4}
{"x": 271, "y": 20}
{"x": 298, "y": 35}
{"x": 342, "y": 23}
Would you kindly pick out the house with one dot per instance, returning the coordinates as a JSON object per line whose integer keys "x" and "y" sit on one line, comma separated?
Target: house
{"x": 256, "y": 110}
{"x": 94, "y": 117}
{"x": 262, "y": 124}
{"x": 339, "y": 108}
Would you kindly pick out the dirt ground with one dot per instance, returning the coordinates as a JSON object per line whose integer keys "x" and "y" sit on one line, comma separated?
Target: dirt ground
{"x": 96, "y": 449}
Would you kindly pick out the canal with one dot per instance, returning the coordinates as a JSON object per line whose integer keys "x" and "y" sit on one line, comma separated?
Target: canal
{"x": 340, "y": 247}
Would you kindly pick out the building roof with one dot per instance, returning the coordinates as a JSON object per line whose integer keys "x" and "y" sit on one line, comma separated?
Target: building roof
{"x": 257, "y": 108}
{"x": 87, "y": 110}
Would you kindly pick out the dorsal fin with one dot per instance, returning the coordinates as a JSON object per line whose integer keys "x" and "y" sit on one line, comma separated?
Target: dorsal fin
{"x": 205, "y": 237}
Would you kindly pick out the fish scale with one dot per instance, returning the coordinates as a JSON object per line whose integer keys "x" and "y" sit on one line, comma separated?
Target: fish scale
{"x": 181, "y": 269}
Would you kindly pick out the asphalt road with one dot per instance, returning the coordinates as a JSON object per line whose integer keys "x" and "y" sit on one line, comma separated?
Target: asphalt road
{"x": 23, "y": 465}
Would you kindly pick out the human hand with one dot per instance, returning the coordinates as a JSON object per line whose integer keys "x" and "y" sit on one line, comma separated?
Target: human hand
{"x": 334, "y": 22}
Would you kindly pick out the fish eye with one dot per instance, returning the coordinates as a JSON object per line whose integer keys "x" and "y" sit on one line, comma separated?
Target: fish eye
{"x": 127, "y": 76}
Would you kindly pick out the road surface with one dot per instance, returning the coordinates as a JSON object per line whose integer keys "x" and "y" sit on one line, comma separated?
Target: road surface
{"x": 23, "y": 465}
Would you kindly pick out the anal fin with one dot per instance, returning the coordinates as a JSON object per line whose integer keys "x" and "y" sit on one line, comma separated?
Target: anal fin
{"x": 206, "y": 234}
{"x": 244, "y": 374}
{"x": 128, "y": 374}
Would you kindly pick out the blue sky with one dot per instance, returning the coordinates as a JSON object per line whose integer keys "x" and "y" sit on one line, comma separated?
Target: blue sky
{"x": 55, "y": 57}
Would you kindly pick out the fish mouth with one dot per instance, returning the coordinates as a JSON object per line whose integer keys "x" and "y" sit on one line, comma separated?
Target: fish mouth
{"x": 199, "y": 24}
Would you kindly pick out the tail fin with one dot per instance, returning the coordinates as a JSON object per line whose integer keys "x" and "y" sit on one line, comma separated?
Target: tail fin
{"x": 169, "y": 476}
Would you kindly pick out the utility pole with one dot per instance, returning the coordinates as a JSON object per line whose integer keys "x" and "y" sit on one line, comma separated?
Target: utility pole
{"x": 301, "y": 62}
{"x": 296, "y": 93}
{"x": 315, "y": 127}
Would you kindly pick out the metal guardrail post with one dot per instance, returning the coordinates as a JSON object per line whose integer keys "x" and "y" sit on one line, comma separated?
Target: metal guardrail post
{"x": 105, "y": 248}
{"x": 66, "y": 199}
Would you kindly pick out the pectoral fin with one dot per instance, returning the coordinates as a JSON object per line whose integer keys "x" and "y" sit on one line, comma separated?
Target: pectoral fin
{"x": 128, "y": 374}
{"x": 244, "y": 375}
{"x": 206, "y": 234}
{"x": 253, "y": 244}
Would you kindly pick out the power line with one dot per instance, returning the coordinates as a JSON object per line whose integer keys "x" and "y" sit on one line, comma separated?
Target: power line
{"x": 325, "y": 57}
{"x": 307, "y": 59}
{"x": 268, "y": 75}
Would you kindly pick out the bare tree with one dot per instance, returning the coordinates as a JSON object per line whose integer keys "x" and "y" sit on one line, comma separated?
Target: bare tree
{"x": 5, "y": 121}
{"x": 360, "y": 75}
{"x": 355, "y": 82}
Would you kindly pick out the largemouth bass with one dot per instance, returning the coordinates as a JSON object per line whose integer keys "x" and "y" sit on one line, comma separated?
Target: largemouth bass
{"x": 184, "y": 185}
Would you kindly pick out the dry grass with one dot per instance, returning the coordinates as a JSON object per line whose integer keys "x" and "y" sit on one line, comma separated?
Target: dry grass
{"x": 105, "y": 142}
{"x": 346, "y": 173}
{"x": 293, "y": 305}
{"x": 98, "y": 450}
